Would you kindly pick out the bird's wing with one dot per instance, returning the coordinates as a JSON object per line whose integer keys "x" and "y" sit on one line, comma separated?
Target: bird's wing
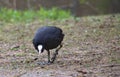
{"x": 52, "y": 42}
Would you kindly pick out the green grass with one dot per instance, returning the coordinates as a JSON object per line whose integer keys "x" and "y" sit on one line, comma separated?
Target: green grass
{"x": 10, "y": 15}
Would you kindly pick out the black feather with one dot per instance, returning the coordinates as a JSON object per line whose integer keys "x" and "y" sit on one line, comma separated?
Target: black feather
{"x": 48, "y": 36}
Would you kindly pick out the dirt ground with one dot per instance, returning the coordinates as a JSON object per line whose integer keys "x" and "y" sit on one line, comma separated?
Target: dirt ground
{"x": 91, "y": 48}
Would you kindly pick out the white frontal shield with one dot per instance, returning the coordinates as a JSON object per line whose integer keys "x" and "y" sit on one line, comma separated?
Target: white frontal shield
{"x": 40, "y": 48}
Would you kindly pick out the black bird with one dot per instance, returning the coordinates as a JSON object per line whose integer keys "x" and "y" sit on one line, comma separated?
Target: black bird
{"x": 47, "y": 38}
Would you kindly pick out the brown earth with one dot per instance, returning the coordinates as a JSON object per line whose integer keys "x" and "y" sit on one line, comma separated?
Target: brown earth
{"x": 91, "y": 49}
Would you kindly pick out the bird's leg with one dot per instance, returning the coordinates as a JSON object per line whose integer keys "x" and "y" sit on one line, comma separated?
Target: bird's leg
{"x": 44, "y": 63}
{"x": 55, "y": 54}
{"x": 48, "y": 56}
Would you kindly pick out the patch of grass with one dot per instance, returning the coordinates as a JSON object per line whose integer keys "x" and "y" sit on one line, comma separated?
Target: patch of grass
{"x": 20, "y": 54}
{"x": 53, "y": 13}
{"x": 85, "y": 42}
{"x": 10, "y": 15}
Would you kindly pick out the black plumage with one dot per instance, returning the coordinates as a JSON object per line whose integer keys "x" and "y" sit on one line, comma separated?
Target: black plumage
{"x": 49, "y": 37}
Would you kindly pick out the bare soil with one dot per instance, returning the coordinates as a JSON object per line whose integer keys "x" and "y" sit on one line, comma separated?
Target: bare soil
{"x": 91, "y": 48}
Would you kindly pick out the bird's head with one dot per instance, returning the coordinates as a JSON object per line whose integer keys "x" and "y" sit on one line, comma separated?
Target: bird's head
{"x": 40, "y": 48}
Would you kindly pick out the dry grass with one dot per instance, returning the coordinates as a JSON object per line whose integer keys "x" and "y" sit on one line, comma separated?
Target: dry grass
{"x": 91, "y": 46}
